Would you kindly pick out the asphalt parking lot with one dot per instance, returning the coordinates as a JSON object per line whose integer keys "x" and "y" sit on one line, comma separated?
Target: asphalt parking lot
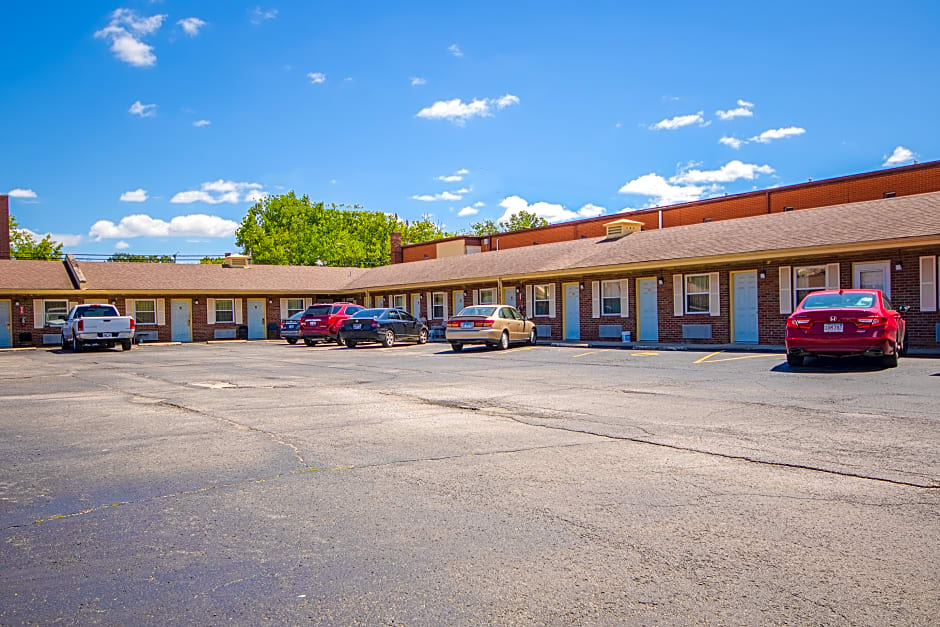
{"x": 245, "y": 482}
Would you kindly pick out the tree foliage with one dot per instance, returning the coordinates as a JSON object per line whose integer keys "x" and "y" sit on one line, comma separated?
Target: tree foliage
{"x": 24, "y": 246}
{"x": 128, "y": 257}
{"x": 285, "y": 229}
{"x": 212, "y": 260}
{"x": 517, "y": 222}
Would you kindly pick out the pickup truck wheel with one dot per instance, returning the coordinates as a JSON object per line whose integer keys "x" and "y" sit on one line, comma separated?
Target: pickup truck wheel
{"x": 388, "y": 340}
{"x": 291, "y": 340}
{"x": 77, "y": 345}
{"x": 126, "y": 345}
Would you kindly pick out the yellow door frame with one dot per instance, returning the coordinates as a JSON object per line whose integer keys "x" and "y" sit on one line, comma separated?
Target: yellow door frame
{"x": 264, "y": 314}
{"x": 189, "y": 323}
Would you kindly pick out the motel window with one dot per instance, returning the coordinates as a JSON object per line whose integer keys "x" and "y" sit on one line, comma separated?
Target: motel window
{"x": 437, "y": 304}
{"x": 294, "y": 306}
{"x": 542, "y": 297}
{"x": 610, "y": 298}
{"x": 224, "y": 310}
{"x": 398, "y": 301}
{"x": 697, "y": 289}
{"x": 808, "y": 279}
{"x": 488, "y": 297}
{"x": 145, "y": 311}
{"x": 55, "y": 310}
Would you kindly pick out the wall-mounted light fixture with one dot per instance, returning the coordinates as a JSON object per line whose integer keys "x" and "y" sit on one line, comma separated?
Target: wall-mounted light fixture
{"x": 196, "y": 301}
{"x": 659, "y": 279}
{"x": 762, "y": 274}
{"x": 582, "y": 285}
{"x": 270, "y": 301}
{"x": 898, "y": 265}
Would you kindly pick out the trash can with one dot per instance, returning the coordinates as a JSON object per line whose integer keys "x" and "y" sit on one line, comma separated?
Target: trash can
{"x": 274, "y": 330}
{"x": 243, "y": 332}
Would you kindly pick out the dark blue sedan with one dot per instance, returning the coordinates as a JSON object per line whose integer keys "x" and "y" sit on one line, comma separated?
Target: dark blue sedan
{"x": 385, "y": 326}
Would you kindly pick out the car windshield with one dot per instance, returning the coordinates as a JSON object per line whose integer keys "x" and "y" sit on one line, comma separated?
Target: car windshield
{"x": 477, "y": 311}
{"x": 845, "y": 300}
{"x": 317, "y": 310}
{"x": 369, "y": 313}
{"x": 96, "y": 311}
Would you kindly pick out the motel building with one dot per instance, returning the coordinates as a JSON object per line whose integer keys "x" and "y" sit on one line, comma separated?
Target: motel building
{"x": 724, "y": 271}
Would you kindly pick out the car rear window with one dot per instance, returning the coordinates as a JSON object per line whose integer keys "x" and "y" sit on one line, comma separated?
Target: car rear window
{"x": 336, "y": 309}
{"x": 318, "y": 310}
{"x": 477, "y": 311}
{"x": 854, "y": 300}
{"x": 369, "y": 313}
{"x": 297, "y": 316}
{"x": 96, "y": 311}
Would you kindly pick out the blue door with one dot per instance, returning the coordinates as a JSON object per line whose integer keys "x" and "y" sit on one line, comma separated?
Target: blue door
{"x": 744, "y": 285}
{"x": 572, "y": 312}
{"x": 649, "y": 310}
{"x": 256, "y": 330}
{"x": 181, "y": 324}
{"x": 6, "y": 330}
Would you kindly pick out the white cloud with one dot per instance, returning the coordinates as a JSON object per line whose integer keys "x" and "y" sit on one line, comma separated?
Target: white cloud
{"x": 455, "y": 177}
{"x": 125, "y": 30}
{"x": 728, "y": 173}
{"x": 142, "y": 110}
{"x": 136, "y": 195}
{"x": 258, "y": 15}
{"x": 458, "y": 112}
{"x": 550, "y": 211}
{"x": 18, "y": 192}
{"x": 743, "y": 110}
{"x": 671, "y": 124}
{"x": 63, "y": 238}
{"x": 454, "y": 195}
{"x": 191, "y": 25}
{"x": 778, "y": 133}
{"x": 731, "y": 141}
{"x": 201, "y": 123}
{"x": 121, "y": 245}
{"x": 504, "y": 101}
{"x": 899, "y": 156}
{"x": 417, "y": 81}
{"x": 215, "y": 192}
{"x": 455, "y": 50}
{"x": 661, "y": 191}
{"x": 468, "y": 211}
{"x": 142, "y": 225}
{"x": 316, "y": 77}
{"x": 479, "y": 203}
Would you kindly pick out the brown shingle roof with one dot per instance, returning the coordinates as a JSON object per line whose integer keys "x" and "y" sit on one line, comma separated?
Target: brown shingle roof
{"x": 31, "y": 276}
{"x": 214, "y": 278}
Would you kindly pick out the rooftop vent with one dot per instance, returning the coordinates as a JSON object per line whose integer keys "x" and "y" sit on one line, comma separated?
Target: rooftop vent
{"x": 236, "y": 261}
{"x": 621, "y": 227}
{"x": 890, "y": 194}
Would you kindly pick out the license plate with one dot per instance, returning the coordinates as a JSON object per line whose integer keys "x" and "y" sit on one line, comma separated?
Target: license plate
{"x": 832, "y": 328}
{"x": 357, "y": 326}
{"x": 466, "y": 325}
{"x": 312, "y": 322}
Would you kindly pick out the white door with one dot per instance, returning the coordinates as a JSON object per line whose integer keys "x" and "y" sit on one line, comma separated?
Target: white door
{"x": 572, "y": 311}
{"x": 6, "y": 329}
{"x": 256, "y": 330}
{"x": 873, "y": 276}
{"x": 181, "y": 325}
{"x": 744, "y": 285}
{"x": 509, "y": 296}
{"x": 649, "y": 310}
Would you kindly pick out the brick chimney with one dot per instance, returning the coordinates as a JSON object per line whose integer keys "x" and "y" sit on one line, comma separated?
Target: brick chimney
{"x": 4, "y": 226}
{"x": 397, "y": 256}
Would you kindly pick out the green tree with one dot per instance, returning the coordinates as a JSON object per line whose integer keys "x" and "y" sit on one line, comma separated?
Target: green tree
{"x": 285, "y": 229}
{"x": 24, "y": 246}
{"x": 128, "y": 257}
{"x": 517, "y": 222}
{"x": 212, "y": 260}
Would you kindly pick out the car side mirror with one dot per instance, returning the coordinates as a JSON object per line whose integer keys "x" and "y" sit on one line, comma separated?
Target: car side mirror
{"x": 903, "y": 308}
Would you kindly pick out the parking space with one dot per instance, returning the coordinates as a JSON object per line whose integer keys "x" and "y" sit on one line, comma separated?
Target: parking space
{"x": 264, "y": 481}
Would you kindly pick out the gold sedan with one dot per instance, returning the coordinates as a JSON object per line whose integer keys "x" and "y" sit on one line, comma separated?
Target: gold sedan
{"x": 493, "y": 325}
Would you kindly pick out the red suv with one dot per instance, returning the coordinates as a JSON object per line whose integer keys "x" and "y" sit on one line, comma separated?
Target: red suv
{"x": 321, "y": 322}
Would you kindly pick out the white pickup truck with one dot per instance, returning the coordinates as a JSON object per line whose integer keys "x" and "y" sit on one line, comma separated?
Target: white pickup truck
{"x": 97, "y": 324}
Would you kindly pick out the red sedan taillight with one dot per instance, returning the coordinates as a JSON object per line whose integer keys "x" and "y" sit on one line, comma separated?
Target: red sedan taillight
{"x": 867, "y": 323}
{"x": 800, "y": 323}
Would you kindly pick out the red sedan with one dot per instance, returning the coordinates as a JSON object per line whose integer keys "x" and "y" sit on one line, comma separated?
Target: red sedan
{"x": 840, "y": 323}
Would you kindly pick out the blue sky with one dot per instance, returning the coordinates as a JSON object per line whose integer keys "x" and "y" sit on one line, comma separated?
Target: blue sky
{"x": 464, "y": 111}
